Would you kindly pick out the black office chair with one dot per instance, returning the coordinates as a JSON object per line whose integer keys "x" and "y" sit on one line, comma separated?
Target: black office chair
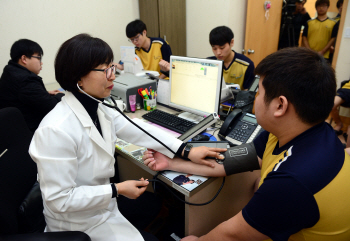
{"x": 21, "y": 205}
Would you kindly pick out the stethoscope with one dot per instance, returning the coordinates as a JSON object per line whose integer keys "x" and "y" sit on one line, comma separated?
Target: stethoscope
{"x": 154, "y": 180}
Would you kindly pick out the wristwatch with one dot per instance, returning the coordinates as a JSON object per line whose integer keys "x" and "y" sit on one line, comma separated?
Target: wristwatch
{"x": 188, "y": 147}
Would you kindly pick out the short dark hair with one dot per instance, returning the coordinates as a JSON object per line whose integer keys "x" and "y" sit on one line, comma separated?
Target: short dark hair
{"x": 319, "y": 2}
{"x": 134, "y": 28}
{"x": 220, "y": 36}
{"x": 25, "y": 47}
{"x": 339, "y": 3}
{"x": 304, "y": 77}
{"x": 77, "y": 57}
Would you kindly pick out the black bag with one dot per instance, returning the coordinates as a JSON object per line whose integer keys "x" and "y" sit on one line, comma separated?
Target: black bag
{"x": 245, "y": 101}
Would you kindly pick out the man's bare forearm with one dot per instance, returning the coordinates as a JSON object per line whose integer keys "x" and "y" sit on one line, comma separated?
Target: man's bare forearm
{"x": 180, "y": 165}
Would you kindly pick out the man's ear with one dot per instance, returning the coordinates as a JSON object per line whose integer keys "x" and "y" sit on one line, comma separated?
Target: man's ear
{"x": 231, "y": 43}
{"x": 22, "y": 60}
{"x": 281, "y": 106}
{"x": 144, "y": 32}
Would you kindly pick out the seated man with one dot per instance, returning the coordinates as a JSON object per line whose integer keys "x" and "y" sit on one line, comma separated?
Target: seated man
{"x": 342, "y": 97}
{"x": 238, "y": 69}
{"x": 21, "y": 87}
{"x": 150, "y": 50}
{"x": 304, "y": 190}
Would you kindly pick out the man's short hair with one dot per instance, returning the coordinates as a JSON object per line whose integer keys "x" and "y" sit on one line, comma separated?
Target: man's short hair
{"x": 25, "y": 47}
{"x": 340, "y": 3}
{"x": 220, "y": 36}
{"x": 134, "y": 28}
{"x": 319, "y": 2}
{"x": 77, "y": 57}
{"x": 304, "y": 77}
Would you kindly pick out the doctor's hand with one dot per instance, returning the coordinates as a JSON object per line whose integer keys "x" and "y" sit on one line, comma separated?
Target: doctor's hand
{"x": 198, "y": 155}
{"x": 155, "y": 161}
{"x": 132, "y": 189}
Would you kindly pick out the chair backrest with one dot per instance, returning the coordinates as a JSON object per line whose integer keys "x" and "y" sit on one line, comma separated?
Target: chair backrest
{"x": 18, "y": 171}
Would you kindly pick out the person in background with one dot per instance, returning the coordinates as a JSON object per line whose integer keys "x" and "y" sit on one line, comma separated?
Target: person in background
{"x": 150, "y": 50}
{"x": 340, "y": 9}
{"x": 317, "y": 34}
{"x": 21, "y": 87}
{"x": 299, "y": 18}
{"x": 342, "y": 98}
{"x": 238, "y": 69}
{"x": 302, "y": 161}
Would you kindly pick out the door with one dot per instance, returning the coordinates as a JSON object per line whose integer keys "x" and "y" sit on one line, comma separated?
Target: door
{"x": 149, "y": 15}
{"x": 172, "y": 24}
{"x": 262, "y": 34}
{"x": 166, "y": 19}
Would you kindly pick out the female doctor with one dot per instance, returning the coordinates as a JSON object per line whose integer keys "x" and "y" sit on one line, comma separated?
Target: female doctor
{"x": 75, "y": 143}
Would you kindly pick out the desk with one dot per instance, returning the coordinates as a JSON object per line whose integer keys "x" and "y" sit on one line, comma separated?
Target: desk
{"x": 199, "y": 220}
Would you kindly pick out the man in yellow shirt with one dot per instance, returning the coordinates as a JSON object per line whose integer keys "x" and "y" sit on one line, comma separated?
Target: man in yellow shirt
{"x": 317, "y": 34}
{"x": 150, "y": 50}
{"x": 238, "y": 69}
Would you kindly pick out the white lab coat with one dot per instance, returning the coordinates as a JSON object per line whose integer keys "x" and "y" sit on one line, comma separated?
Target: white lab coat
{"x": 75, "y": 163}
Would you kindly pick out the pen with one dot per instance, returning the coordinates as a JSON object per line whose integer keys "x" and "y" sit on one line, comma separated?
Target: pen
{"x": 146, "y": 91}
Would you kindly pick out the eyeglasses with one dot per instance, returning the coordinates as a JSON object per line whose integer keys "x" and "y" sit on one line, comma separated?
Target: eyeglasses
{"x": 108, "y": 71}
{"x": 131, "y": 40}
{"x": 37, "y": 57}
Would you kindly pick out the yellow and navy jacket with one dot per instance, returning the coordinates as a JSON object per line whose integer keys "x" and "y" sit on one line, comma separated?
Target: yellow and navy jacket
{"x": 240, "y": 71}
{"x": 159, "y": 49}
{"x": 304, "y": 192}
{"x": 319, "y": 33}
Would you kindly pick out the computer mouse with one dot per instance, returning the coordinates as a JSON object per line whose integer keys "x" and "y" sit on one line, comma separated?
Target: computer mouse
{"x": 201, "y": 138}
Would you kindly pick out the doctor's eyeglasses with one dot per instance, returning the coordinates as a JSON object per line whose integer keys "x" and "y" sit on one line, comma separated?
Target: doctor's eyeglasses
{"x": 108, "y": 71}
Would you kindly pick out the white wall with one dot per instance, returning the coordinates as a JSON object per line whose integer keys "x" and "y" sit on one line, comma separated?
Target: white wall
{"x": 204, "y": 15}
{"x": 51, "y": 22}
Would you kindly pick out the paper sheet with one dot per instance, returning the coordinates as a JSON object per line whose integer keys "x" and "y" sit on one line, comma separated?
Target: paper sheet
{"x": 163, "y": 91}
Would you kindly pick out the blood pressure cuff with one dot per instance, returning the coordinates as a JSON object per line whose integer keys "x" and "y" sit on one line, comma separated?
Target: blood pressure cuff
{"x": 241, "y": 158}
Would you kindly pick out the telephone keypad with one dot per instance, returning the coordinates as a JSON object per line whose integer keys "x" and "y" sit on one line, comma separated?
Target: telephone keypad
{"x": 242, "y": 131}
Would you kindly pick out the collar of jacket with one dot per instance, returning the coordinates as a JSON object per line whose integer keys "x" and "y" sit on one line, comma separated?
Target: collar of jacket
{"x": 85, "y": 119}
{"x": 16, "y": 65}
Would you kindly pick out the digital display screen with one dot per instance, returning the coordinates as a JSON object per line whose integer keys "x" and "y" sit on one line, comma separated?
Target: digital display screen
{"x": 249, "y": 119}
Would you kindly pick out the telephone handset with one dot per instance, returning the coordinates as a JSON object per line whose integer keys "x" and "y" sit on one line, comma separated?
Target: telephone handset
{"x": 240, "y": 127}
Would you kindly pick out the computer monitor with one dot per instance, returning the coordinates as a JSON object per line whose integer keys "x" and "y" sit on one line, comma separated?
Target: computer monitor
{"x": 195, "y": 84}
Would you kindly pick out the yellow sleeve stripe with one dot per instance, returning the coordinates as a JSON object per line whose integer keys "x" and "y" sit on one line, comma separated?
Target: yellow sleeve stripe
{"x": 242, "y": 62}
{"x": 157, "y": 41}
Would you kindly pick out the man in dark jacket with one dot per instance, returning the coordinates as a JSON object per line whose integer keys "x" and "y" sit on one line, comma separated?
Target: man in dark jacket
{"x": 21, "y": 87}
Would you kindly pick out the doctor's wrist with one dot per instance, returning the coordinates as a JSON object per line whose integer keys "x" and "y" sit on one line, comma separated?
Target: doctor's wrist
{"x": 114, "y": 190}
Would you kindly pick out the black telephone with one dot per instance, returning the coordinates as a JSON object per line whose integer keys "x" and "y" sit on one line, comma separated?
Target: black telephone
{"x": 240, "y": 127}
